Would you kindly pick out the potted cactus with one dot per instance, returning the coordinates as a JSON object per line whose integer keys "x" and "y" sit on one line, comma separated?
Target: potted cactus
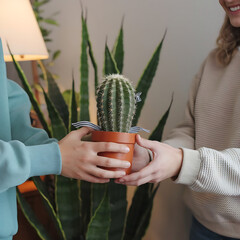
{"x": 116, "y": 106}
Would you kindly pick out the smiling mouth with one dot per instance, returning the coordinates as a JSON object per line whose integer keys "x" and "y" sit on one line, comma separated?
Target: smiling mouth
{"x": 235, "y": 8}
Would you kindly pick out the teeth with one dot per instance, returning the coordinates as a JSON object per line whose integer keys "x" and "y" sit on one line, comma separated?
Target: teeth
{"x": 233, "y": 9}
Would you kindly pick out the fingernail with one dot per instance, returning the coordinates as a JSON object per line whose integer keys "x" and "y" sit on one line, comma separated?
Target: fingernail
{"x": 127, "y": 164}
{"x": 126, "y": 149}
{"x": 123, "y": 173}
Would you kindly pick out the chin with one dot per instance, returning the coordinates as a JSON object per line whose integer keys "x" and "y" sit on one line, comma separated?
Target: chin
{"x": 235, "y": 23}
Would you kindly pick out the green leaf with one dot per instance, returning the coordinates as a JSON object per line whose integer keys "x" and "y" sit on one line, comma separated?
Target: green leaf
{"x": 37, "y": 4}
{"x": 58, "y": 128}
{"x": 98, "y": 191}
{"x": 110, "y": 66}
{"x": 137, "y": 209}
{"x": 145, "y": 219}
{"x": 31, "y": 217}
{"x": 50, "y": 21}
{"x": 33, "y": 100}
{"x": 48, "y": 202}
{"x": 158, "y": 131}
{"x": 146, "y": 80}
{"x": 73, "y": 108}
{"x": 68, "y": 205}
{"x": 118, "y": 50}
{"x": 56, "y": 54}
{"x": 99, "y": 225}
{"x": 118, "y": 196}
{"x": 94, "y": 65}
{"x": 84, "y": 95}
{"x": 85, "y": 196}
{"x": 57, "y": 99}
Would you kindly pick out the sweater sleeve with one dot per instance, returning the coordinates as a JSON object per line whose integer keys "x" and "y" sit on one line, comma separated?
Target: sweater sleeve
{"x": 212, "y": 171}
{"x": 184, "y": 134}
{"x": 31, "y": 152}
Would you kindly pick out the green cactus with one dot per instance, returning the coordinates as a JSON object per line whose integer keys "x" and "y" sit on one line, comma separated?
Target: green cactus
{"x": 116, "y": 104}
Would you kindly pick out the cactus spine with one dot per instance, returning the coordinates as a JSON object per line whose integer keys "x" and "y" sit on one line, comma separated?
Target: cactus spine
{"x": 116, "y": 104}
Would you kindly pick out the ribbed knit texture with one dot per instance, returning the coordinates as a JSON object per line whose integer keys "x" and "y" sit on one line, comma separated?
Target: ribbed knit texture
{"x": 212, "y": 129}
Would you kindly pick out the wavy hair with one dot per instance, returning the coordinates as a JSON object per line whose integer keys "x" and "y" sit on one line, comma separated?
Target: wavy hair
{"x": 227, "y": 42}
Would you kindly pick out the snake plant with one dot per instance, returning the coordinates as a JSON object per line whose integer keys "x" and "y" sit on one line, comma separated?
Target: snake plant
{"x": 82, "y": 210}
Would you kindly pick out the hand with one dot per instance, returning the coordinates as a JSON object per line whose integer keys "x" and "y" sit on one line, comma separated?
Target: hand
{"x": 140, "y": 158}
{"x": 166, "y": 163}
{"x": 80, "y": 159}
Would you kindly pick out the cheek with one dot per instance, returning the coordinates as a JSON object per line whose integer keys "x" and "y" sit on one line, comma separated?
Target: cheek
{"x": 222, "y": 4}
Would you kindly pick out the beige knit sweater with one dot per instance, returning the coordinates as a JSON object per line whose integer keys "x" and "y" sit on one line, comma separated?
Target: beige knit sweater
{"x": 210, "y": 138}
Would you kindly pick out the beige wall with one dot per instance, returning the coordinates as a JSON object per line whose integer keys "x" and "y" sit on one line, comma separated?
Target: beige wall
{"x": 192, "y": 27}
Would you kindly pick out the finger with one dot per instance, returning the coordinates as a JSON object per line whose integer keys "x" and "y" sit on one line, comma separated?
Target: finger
{"x": 111, "y": 162}
{"x": 149, "y": 170}
{"x": 145, "y": 143}
{"x": 80, "y": 133}
{"x": 136, "y": 182}
{"x": 93, "y": 179}
{"x": 102, "y": 173}
{"x": 110, "y": 147}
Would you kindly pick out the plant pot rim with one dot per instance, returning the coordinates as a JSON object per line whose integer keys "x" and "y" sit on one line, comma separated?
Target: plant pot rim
{"x": 110, "y": 136}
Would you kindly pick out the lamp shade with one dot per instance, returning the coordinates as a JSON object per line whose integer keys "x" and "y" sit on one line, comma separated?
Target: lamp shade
{"x": 19, "y": 29}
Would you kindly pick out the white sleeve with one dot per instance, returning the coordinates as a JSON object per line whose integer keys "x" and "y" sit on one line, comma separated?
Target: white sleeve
{"x": 208, "y": 170}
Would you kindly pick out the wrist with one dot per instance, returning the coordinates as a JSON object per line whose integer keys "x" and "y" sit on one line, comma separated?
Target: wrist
{"x": 179, "y": 161}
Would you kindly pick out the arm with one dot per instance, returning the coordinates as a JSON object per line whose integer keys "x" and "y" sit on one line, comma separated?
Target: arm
{"x": 208, "y": 170}
{"x": 20, "y": 158}
{"x": 32, "y": 153}
{"x": 182, "y": 136}
{"x": 203, "y": 170}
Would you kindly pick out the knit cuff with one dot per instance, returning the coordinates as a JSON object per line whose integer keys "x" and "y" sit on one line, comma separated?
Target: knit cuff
{"x": 45, "y": 159}
{"x": 190, "y": 167}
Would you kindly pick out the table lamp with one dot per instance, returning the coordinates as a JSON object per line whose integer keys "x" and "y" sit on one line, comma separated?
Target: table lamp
{"x": 19, "y": 29}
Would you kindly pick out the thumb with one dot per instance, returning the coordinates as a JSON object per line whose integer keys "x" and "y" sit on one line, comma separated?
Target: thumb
{"x": 145, "y": 143}
{"x": 80, "y": 133}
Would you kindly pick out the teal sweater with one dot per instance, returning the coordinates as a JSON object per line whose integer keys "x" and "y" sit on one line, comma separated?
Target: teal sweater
{"x": 24, "y": 151}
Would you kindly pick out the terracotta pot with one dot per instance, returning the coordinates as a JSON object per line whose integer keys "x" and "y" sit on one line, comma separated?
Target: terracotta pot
{"x": 116, "y": 137}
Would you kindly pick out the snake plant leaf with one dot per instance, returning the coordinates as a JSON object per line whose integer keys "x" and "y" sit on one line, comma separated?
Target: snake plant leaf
{"x": 99, "y": 225}
{"x": 48, "y": 202}
{"x": 73, "y": 108}
{"x": 31, "y": 217}
{"x": 98, "y": 191}
{"x": 85, "y": 187}
{"x": 110, "y": 65}
{"x": 93, "y": 61}
{"x": 57, "y": 98}
{"x": 68, "y": 206}
{"x": 137, "y": 209}
{"x": 66, "y": 190}
{"x": 86, "y": 197}
{"x": 84, "y": 94}
{"x": 145, "y": 219}
{"x": 58, "y": 128}
{"x": 158, "y": 131}
{"x": 118, "y": 202}
{"x": 118, "y": 50}
{"x": 30, "y": 93}
{"x": 146, "y": 79}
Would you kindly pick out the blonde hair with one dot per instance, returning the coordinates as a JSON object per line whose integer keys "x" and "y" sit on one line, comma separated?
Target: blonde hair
{"x": 227, "y": 42}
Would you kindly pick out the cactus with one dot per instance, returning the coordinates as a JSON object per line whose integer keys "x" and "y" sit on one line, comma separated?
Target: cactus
{"x": 116, "y": 104}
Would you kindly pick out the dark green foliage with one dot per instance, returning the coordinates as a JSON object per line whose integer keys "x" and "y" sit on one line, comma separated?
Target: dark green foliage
{"x": 86, "y": 211}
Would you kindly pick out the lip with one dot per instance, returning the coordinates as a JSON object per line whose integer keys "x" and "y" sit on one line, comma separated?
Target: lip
{"x": 234, "y": 6}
